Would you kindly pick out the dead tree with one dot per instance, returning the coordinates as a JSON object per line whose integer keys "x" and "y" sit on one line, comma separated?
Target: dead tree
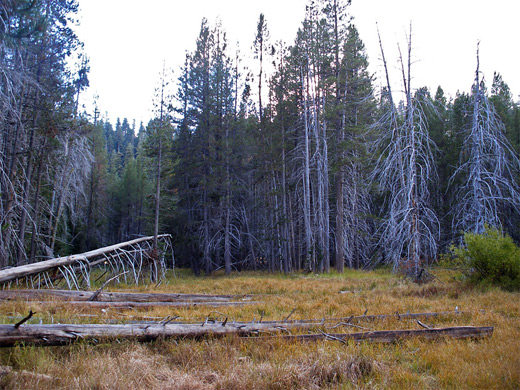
{"x": 136, "y": 256}
{"x": 487, "y": 168}
{"x": 404, "y": 170}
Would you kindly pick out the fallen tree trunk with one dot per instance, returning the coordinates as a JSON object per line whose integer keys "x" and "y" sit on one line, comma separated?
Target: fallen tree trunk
{"x": 22, "y": 271}
{"x": 58, "y": 334}
{"x": 137, "y": 305}
{"x": 71, "y": 295}
{"x": 374, "y": 317}
{"x": 390, "y": 336}
{"x": 47, "y": 335}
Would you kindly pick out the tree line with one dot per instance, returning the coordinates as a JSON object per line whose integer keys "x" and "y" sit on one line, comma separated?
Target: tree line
{"x": 297, "y": 162}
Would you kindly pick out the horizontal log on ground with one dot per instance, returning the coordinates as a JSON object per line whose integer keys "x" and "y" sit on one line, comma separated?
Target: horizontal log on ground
{"x": 375, "y": 317}
{"x": 58, "y": 334}
{"x": 390, "y": 336}
{"x": 138, "y": 305}
{"x": 71, "y": 295}
{"x": 22, "y": 271}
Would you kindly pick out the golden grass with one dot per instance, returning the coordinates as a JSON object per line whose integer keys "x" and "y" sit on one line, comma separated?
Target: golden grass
{"x": 232, "y": 363}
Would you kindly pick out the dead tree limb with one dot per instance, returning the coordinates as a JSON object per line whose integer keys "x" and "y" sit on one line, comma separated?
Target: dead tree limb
{"x": 94, "y": 297}
{"x": 25, "y": 319}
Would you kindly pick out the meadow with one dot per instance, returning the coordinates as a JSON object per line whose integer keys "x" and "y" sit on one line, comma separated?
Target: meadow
{"x": 235, "y": 363}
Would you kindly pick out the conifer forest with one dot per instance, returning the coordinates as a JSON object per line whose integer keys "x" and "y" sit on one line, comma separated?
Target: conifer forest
{"x": 300, "y": 161}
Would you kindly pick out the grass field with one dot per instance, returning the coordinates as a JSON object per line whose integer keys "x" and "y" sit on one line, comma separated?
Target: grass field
{"x": 233, "y": 363}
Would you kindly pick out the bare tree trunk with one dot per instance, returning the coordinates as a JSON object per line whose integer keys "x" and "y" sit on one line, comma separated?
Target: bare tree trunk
{"x": 227, "y": 234}
{"x": 326, "y": 206}
{"x": 27, "y": 185}
{"x": 157, "y": 196}
{"x": 36, "y": 217}
{"x": 309, "y": 263}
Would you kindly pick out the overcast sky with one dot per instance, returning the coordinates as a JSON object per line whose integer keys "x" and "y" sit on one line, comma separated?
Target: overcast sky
{"x": 127, "y": 41}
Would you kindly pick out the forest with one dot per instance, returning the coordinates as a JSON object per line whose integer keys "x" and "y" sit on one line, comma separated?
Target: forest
{"x": 300, "y": 162}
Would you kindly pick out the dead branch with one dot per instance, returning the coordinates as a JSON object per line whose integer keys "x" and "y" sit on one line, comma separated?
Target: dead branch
{"x": 423, "y": 325}
{"x": 25, "y": 319}
{"x": 94, "y": 296}
{"x": 290, "y": 314}
{"x": 347, "y": 324}
{"x": 331, "y": 337}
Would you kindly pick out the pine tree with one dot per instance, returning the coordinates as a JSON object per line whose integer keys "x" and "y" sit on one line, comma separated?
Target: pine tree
{"x": 352, "y": 157}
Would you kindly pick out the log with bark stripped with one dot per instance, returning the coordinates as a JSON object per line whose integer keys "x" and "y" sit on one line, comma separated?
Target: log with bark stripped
{"x": 58, "y": 334}
{"x": 142, "y": 305}
{"x": 64, "y": 334}
{"x": 71, "y": 295}
{"x": 390, "y": 336}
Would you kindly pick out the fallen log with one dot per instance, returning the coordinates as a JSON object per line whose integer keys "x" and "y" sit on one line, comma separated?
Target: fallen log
{"x": 390, "y": 336}
{"x": 23, "y": 271}
{"x": 72, "y": 295}
{"x": 57, "y": 334}
{"x": 142, "y": 305}
{"x": 369, "y": 317}
{"x": 374, "y": 317}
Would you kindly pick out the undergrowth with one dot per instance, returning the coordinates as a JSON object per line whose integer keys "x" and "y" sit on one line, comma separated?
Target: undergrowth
{"x": 492, "y": 258}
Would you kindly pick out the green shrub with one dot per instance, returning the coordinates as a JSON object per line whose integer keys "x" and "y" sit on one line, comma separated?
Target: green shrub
{"x": 493, "y": 258}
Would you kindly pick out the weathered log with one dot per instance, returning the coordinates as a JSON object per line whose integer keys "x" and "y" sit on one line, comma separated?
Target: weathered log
{"x": 375, "y": 317}
{"x": 22, "y": 271}
{"x": 390, "y": 336}
{"x": 142, "y": 305}
{"x": 72, "y": 295}
{"x": 58, "y": 334}
{"x": 47, "y": 335}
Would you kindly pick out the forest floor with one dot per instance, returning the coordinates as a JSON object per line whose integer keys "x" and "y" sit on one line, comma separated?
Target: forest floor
{"x": 234, "y": 363}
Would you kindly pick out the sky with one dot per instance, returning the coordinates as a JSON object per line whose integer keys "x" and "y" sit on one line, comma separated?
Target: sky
{"x": 129, "y": 41}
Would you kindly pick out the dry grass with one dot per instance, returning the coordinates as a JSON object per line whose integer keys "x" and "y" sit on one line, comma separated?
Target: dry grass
{"x": 233, "y": 363}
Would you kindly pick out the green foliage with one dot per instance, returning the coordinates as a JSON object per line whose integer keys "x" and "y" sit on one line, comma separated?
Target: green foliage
{"x": 493, "y": 257}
